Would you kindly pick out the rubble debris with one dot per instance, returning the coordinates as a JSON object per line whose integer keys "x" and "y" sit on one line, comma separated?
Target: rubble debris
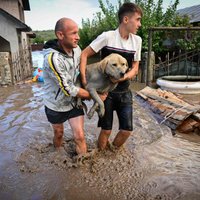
{"x": 171, "y": 110}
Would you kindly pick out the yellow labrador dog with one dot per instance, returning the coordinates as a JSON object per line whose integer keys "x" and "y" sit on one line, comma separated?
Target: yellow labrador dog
{"x": 99, "y": 77}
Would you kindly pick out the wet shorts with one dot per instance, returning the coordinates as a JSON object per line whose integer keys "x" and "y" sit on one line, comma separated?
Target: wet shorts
{"x": 122, "y": 104}
{"x": 56, "y": 117}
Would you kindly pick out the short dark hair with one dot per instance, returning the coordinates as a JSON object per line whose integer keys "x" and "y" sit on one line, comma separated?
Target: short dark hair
{"x": 128, "y": 8}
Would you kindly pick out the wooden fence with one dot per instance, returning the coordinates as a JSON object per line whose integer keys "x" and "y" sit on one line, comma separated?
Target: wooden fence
{"x": 21, "y": 65}
{"x": 185, "y": 38}
{"x": 186, "y": 63}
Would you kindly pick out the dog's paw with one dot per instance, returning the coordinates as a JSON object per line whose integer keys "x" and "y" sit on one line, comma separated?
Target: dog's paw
{"x": 90, "y": 115}
{"x": 101, "y": 112}
{"x": 79, "y": 103}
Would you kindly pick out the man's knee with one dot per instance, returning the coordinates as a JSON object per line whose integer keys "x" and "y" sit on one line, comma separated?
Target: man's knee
{"x": 58, "y": 131}
{"x": 106, "y": 132}
{"x": 79, "y": 136}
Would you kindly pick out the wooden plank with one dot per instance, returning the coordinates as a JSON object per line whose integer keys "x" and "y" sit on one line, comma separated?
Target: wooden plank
{"x": 170, "y": 110}
{"x": 142, "y": 95}
{"x": 166, "y": 110}
{"x": 196, "y": 117}
{"x": 188, "y": 125}
{"x": 168, "y": 98}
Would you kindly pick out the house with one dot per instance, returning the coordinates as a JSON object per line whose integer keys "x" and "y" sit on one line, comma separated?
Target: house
{"x": 192, "y": 12}
{"x": 15, "y": 51}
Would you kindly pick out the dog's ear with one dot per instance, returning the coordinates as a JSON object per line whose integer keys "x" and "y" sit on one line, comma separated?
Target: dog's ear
{"x": 103, "y": 64}
{"x": 126, "y": 63}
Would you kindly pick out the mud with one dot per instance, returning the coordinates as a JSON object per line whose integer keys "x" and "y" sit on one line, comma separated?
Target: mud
{"x": 152, "y": 165}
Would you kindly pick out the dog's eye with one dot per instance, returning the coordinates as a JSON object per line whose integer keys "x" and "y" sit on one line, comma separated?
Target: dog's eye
{"x": 114, "y": 64}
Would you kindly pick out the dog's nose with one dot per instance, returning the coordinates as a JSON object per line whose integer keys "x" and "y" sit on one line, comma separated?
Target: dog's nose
{"x": 122, "y": 74}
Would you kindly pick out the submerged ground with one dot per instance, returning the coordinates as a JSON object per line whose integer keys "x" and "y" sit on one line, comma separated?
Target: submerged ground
{"x": 152, "y": 165}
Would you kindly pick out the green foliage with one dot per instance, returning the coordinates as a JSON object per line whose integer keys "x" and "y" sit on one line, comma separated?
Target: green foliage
{"x": 103, "y": 21}
{"x": 188, "y": 40}
{"x": 42, "y": 36}
{"x": 153, "y": 16}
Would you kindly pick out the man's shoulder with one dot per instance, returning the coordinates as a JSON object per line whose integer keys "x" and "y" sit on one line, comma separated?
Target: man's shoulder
{"x": 49, "y": 51}
{"x": 111, "y": 33}
{"x": 136, "y": 37}
{"x": 108, "y": 34}
{"x": 77, "y": 50}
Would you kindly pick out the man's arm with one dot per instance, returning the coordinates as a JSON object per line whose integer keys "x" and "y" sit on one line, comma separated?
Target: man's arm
{"x": 86, "y": 53}
{"x": 83, "y": 94}
{"x": 58, "y": 70}
{"x": 133, "y": 72}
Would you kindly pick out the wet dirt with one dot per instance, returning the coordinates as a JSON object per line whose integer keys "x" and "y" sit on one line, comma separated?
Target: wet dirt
{"x": 153, "y": 164}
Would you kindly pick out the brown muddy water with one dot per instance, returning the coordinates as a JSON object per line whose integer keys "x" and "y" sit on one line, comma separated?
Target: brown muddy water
{"x": 152, "y": 165}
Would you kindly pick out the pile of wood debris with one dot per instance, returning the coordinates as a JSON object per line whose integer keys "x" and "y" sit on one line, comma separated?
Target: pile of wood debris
{"x": 171, "y": 110}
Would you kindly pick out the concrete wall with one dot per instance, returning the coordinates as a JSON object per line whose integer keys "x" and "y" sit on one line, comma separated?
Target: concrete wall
{"x": 13, "y": 7}
{"x": 8, "y": 32}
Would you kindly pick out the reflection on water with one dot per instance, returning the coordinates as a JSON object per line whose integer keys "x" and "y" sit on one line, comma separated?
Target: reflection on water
{"x": 153, "y": 164}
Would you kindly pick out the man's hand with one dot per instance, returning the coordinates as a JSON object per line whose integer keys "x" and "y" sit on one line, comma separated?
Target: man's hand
{"x": 103, "y": 96}
{"x": 120, "y": 80}
{"x": 83, "y": 81}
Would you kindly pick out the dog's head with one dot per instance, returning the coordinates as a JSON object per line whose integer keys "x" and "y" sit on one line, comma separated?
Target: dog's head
{"x": 115, "y": 65}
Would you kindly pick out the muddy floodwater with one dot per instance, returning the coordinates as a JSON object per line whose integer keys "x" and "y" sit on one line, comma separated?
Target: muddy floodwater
{"x": 153, "y": 164}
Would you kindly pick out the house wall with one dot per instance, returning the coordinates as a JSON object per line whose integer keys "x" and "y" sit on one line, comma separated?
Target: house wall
{"x": 9, "y": 33}
{"x": 24, "y": 40}
{"x": 14, "y": 44}
{"x": 13, "y": 7}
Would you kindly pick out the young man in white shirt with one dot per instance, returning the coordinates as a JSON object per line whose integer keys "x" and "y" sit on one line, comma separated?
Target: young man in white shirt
{"x": 125, "y": 42}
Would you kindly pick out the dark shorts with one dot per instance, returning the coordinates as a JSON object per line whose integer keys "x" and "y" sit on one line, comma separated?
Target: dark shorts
{"x": 55, "y": 117}
{"x": 122, "y": 104}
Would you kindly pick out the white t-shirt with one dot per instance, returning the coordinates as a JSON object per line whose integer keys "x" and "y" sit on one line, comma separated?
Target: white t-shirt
{"x": 112, "y": 39}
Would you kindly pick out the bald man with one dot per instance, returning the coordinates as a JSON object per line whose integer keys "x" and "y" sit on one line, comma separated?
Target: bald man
{"x": 61, "y": 67}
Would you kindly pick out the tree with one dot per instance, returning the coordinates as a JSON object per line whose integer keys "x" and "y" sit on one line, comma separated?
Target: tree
{"x": 153, "y": 16}
{"x": 43, "y": 36}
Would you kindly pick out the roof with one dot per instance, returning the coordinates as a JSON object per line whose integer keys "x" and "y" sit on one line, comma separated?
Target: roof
{"x": 31, "y": 34}
{"x": 20, "y": 24}
{"x": 26, "y": 4}
{"x": 193, "y": 12}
